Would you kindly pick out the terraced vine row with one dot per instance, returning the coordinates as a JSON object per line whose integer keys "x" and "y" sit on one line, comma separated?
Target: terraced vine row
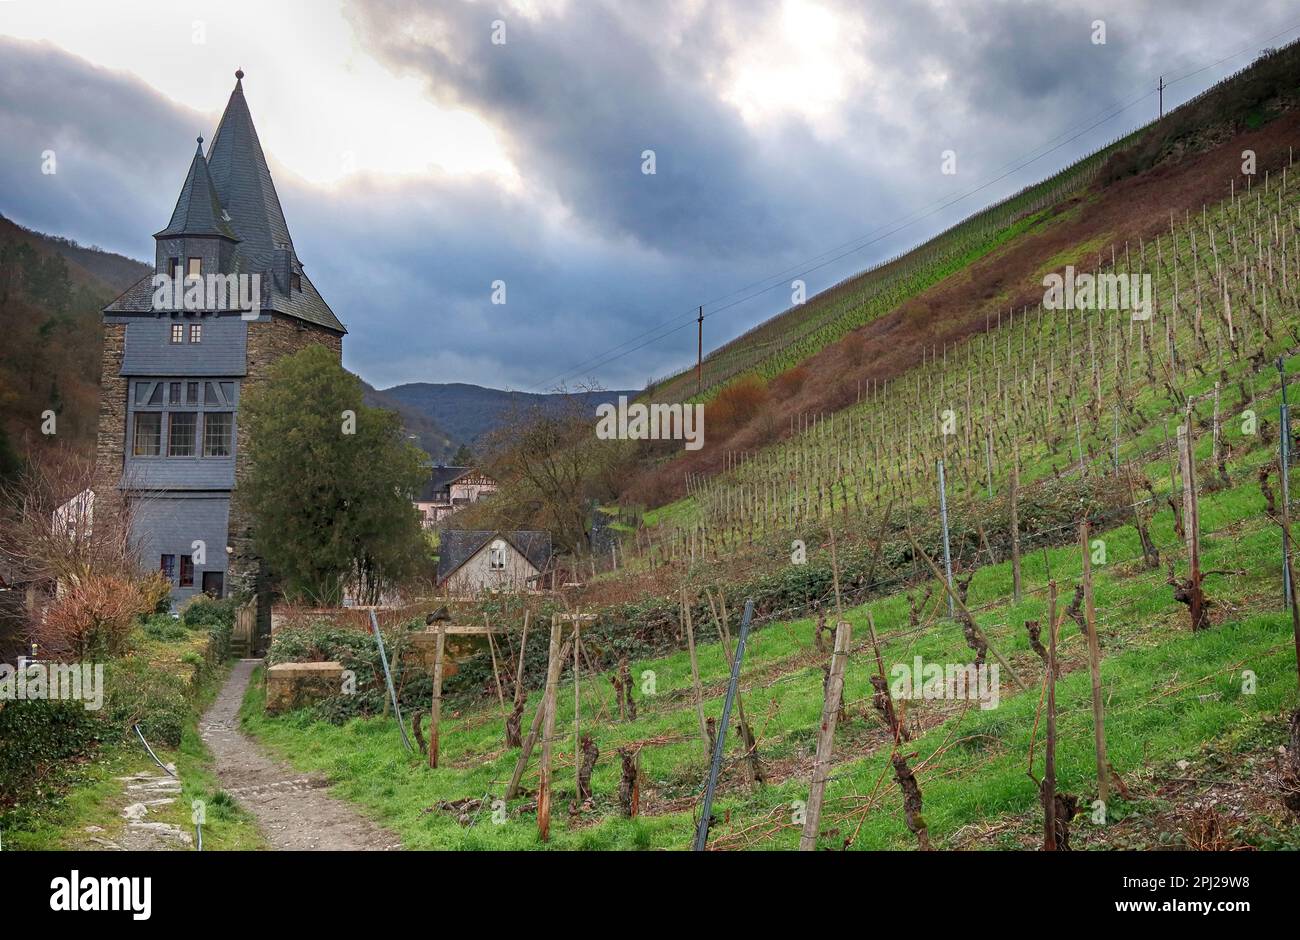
{"x": 1043, "y": 392}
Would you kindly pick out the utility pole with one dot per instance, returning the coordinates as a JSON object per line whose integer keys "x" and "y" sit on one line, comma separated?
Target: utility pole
{"x": 699, "y": 356}
{"x": 1161, "y": 89}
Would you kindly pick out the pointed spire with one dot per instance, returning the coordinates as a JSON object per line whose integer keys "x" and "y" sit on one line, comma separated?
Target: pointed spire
{"x": 243, "y": 182}
{"x": 198, "y": 210}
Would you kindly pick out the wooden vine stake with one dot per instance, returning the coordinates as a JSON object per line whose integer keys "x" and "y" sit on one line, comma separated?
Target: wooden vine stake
{"x": 553, "y": 678}
{"x": 548, "y": 731}
{"x": 826, "y": 738}
{"x": 521, "y": 764}
{"x": 1015, "y": 523}
{"x": 435, "y": 706}
{"x": 695, "y": 675}
{"x": 496, "y": 673}
{"x": 1196, "y": 605}
{"x": 517, "y": 713}
{"x": 1049, "y": 760}
{"x": 1094, "y": 669}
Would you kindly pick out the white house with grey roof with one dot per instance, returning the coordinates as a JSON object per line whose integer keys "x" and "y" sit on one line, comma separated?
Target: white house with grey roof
{"x": 473, "y": 561}
{"x": 173, "y": 373}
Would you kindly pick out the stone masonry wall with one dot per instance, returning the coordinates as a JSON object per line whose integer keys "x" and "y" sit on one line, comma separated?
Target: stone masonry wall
{"x": 267, "y": 342}
{"x": 110, "y": 446}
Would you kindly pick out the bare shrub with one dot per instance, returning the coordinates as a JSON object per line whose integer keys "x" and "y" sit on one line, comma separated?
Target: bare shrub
{"x": 55, "y": 530}
{"x": 855, "y": 348}
{"x": 92, "y": 617}
{"x": 789, "y": 382}
{"x": 733, "y": 407}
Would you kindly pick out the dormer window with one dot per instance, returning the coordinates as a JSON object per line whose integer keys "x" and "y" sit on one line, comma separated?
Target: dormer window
{"x": 295, "y": 281}
{"x": 174, "y": 267}
{"x": 194, "y": 268}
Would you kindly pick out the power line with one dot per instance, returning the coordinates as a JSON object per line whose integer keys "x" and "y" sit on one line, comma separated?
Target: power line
{"x": 675, "y": 324}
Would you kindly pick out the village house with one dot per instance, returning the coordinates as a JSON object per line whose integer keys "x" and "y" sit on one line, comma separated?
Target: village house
{"x": 450, "y": 488}
{"x": 471, "y": 562}
{"x": 174, "y": 372}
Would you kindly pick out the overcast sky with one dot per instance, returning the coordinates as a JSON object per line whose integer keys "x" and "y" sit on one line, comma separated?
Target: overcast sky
{"x": 419, "y": 161}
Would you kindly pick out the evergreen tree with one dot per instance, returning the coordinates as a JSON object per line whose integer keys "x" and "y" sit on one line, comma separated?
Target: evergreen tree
{"x": 330, "y": 483}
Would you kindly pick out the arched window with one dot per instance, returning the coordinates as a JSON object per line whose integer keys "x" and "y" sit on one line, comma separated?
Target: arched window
{"x": 497, "y": 555}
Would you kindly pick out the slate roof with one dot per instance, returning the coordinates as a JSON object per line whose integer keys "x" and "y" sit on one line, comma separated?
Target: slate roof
{"x": 439, "y": 480}
{"x": 198, "y": 210}
{"x": 457, "y": 546}
{"x": 243, "y": 181}
{"x": 239, "y": 185}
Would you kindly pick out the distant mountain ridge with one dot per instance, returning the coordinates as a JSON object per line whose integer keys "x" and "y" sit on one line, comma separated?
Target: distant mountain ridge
{"x": 98, "y": 268}
{"x": 423, "y": 431}
{"x": 469, "y": 412}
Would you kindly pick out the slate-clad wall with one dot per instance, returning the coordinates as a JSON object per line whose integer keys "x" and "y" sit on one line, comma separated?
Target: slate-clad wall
{"x": 180, "y": 473}
{"x": 221, "y": 351}
{"x": 170, "y": 523}
{"x": 215, "y": 252}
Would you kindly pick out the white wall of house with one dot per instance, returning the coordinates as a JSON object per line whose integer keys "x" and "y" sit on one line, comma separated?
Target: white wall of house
{"x": 481, "y": 571}
{"x": 468, "y": 489}
{"x": 471, "y": 490}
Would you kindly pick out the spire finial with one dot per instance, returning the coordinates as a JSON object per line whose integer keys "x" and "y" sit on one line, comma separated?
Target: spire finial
{"x": 239, "y": 74}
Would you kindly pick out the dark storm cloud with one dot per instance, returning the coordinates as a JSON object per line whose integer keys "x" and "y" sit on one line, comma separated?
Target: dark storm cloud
{"x": 121, "y": 149}
{"x": 593, "y": 252}
{"x": 582, "y": 95}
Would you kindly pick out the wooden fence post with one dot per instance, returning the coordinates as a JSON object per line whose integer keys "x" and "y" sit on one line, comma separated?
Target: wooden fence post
{"x": 826, "y": 738}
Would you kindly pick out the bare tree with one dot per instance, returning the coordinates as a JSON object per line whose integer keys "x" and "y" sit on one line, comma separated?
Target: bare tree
{"x": 56, "y": 531}
{"x": 550, "y": 466}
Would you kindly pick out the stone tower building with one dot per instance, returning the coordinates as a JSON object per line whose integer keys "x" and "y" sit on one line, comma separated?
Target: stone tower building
{"x": 228, "y": 297}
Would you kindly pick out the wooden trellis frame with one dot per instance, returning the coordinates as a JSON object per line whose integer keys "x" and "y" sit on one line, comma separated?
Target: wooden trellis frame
{"x": 544, "y": 718}
{"x": 441, "y": 631}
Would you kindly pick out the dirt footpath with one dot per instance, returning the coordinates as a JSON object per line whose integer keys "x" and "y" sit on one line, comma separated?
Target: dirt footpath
{"x": 293, "y": 810}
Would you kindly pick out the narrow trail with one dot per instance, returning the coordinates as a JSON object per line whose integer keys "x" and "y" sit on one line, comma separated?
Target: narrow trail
{"x": 292, "y": 809}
